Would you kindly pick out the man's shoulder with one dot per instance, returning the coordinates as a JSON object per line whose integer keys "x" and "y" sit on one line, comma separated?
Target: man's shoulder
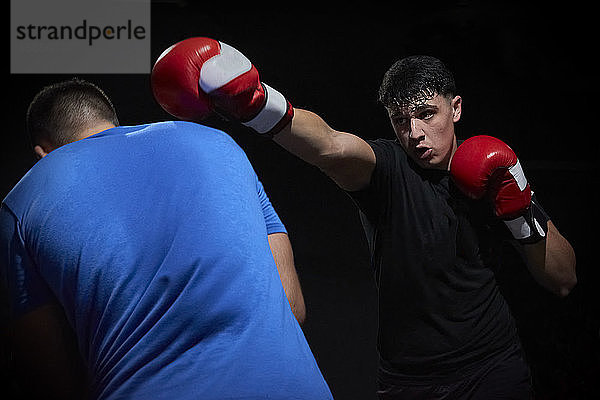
{"x": 183, "y": 126}
{"x": 45, "y": 179}
{"x": 384, "y": 142}
{"x": 387, "y": 150}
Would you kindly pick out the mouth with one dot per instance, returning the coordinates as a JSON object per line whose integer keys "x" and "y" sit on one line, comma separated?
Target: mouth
{"x": 423, "y": 153}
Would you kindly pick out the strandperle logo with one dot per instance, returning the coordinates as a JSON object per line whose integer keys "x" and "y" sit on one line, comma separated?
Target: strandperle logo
{"x": 80, "y": 36}
{"x": 85, "y": 31}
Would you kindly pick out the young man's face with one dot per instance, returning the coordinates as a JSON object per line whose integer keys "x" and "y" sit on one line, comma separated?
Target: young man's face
{"x": 426, "y": 130}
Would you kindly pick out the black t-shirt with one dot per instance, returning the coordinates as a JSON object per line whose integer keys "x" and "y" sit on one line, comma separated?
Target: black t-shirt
{"x": 433, "y": 252}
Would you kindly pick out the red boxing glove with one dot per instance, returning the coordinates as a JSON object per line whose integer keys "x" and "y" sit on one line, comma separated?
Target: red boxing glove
{"x": 486, "y": 166}
{"x": 197, "y": 76}
{"x": 175, "y": 75}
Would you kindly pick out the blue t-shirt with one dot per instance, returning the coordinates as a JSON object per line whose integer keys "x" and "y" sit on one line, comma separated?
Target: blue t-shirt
{"x": 153, "y": 238}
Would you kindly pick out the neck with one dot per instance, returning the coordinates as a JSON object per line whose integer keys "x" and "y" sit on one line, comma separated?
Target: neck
{"x": 44, "y": 148}
{"x": 94, "y": 129}
{"x": 452, "y": 151}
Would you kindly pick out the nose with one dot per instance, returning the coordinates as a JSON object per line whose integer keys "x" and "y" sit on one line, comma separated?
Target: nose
{"x": 417, "y": 130}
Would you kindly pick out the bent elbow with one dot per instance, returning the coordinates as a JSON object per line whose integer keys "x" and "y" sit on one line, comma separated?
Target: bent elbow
{"x": 566, "y": 286}
{"x": 563, "y": 292}
{"x": 571, "y": 280}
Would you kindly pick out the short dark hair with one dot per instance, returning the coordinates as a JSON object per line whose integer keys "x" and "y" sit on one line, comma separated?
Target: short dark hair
{"x": 414, "y": 79}
{"x": 60, "y": 111}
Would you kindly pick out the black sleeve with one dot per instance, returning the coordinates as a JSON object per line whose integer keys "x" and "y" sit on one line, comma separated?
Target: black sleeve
{"x": 373, "y": 200}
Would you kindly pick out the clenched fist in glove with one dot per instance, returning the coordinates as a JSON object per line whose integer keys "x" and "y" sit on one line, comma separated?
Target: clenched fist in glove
{"x": 199, "y": 76}
{"x": 484, "y": 166}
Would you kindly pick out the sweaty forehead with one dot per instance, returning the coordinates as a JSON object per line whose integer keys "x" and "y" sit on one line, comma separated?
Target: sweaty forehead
{"x": 410, "y": 108}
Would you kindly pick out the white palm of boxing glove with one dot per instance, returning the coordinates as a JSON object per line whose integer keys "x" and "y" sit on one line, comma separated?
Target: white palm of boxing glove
{"x": 211, "y": 76}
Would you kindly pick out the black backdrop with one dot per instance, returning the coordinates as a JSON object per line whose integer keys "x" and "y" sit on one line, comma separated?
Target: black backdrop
{"x": 526, "y": 75}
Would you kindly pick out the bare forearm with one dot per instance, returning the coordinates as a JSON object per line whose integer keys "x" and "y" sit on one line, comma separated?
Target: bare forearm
{"x": 308, "y": 137}
{"x": 346, "y": 158}
{"x": 552, "y": 262}
{"x": 284, "y": 259}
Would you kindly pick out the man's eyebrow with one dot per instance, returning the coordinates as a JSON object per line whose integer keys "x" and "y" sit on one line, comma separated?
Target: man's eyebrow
{"x": 422, "y": 107}
{"x": 405, "y": 112}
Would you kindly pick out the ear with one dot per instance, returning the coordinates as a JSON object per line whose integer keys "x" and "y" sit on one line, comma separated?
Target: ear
{"x": 40, "y": 152}
{"x": 456, "y": 108}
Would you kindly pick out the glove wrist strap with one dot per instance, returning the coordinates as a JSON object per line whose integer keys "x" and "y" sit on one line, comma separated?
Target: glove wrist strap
{"x": 276, "y": 109}
{"x": 532, "y": 226}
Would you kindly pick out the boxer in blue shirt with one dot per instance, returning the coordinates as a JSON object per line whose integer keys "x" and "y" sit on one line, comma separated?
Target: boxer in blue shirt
{"x": 147, "y": 262}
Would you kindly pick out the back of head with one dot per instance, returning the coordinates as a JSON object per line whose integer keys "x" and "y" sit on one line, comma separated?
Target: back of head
{"x": 415, "y": 79}
{"x": 59, "y": 113}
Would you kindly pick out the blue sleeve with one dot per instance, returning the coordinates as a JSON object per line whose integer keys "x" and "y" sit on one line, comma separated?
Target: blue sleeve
{"x": 274, "y": 224}
{"x": 24, "y": 288}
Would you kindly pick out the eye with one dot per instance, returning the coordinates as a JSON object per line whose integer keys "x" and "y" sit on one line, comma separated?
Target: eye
{"x": 427, "y": 114}
{"x": 399, "y": 120}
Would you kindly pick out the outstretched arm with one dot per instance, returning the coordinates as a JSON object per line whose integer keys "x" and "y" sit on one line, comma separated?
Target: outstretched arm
{"x": 347, "y": 159}
{"x": 200, "y": 76}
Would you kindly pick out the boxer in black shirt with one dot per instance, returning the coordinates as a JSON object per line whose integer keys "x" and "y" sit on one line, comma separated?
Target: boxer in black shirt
{"x": 436, "y": 215}
{"x": 442, "y": 318}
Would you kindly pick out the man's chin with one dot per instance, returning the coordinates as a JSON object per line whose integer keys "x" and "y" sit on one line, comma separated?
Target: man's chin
{"x": 427, "y": 163}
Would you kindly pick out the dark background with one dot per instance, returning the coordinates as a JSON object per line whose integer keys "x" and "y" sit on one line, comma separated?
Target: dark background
{"x": 527, "y": 75}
